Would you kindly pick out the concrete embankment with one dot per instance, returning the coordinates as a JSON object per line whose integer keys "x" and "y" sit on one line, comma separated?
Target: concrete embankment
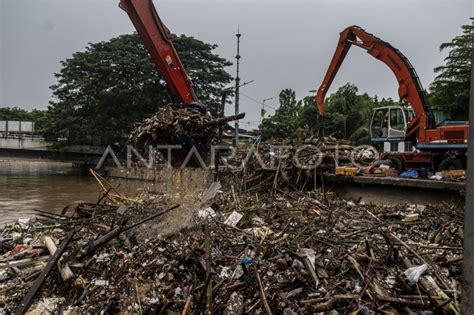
{"x": 377, "y": 190}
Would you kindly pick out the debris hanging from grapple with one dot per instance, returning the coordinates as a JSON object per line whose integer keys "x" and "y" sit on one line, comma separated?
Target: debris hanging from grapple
{"x": 182, "y": 125}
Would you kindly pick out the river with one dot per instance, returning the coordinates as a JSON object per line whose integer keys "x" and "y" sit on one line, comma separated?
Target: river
{"x": 29, "y": 185}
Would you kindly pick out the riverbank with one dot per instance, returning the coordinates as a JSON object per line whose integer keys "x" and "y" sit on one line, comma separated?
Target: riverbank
{"x": 50, "y": 186}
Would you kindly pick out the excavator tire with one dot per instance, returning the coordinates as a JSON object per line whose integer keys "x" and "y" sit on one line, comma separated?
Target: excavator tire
{"x": 398, "y": 163}
{"x": 449, "y": 164}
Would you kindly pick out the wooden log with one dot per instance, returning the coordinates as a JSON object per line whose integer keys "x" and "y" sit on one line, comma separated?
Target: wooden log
{"x": 64, "y": 270}
{"x": 419, "y": 302}
{"x": 223, "y": 120}
{"x": 262, "y": 292}
{"x": 23, "y": 262}
{"x": 187, "y": 305}
{"x": 309, "y": 268}
{"x": 327, "y": 304}
{"x": 90, "y": 248}
{"x": 29, "y": 297}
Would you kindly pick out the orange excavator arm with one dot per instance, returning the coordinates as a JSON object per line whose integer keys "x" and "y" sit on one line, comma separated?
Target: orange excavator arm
{"x": 157, "y": 39}
{"x": 409, "y": 86}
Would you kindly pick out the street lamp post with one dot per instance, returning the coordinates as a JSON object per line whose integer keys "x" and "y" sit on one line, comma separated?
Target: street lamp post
{"x": 237, "y": 87}
{"x": 263, "y": 108}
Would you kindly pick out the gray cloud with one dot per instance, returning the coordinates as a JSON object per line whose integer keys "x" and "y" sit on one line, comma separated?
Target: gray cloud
{"x": 285, "y": 44}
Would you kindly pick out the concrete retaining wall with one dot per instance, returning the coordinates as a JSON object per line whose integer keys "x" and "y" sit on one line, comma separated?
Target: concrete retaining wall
{"x": 20, "y": 143}
{"x": 187, "y": 178}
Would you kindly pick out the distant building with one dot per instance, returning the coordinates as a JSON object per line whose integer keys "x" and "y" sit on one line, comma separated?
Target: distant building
{"x": 16, "y": 127}
{"x": 20, "y": 135}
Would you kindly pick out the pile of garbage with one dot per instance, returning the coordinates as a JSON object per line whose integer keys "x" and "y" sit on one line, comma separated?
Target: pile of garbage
{"x": 451, "y": 176}
{"x": 299, "y": 154}
{"x": 299, "y": 163}
{"x": 179, "y": 124}
{"x": 171, "y": 125}
{"x": 317, "y": 253}
{"x": 386, "y": 168}
{"x": 286, "y": 252}
{"x": 291, "y": 163}
{"x": 67, "y": 243}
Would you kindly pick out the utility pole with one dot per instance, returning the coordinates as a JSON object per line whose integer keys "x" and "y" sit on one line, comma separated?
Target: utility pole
{"x": 237, "y": 89}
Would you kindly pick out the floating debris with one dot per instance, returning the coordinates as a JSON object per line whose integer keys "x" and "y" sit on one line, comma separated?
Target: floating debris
{"x": 288, "y": 252}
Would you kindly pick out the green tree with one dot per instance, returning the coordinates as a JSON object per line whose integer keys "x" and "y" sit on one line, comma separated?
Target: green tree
{"x": 450, "y": 89}
{"x": 348, "y": 115}
{"x": 340, "y": 118}
{"x": 102, "y": 91}
{"x": 284, "y": 122}
{"x": 42, "y": 120}
{"x": 39, "y": 117}
{"x": 308, "y": 117}
{"x": 14, "y": 113}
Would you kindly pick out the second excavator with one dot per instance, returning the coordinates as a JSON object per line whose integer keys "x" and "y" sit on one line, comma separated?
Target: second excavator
{"x": 438, "y": 147}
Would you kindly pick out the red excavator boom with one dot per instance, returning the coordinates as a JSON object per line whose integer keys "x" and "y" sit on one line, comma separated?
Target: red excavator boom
{"x": 157, "y": 39}
{"x": 421, "y": 130}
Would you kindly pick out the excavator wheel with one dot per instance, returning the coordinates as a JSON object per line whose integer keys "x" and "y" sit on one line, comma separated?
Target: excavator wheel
{"x": 449, "y": 164}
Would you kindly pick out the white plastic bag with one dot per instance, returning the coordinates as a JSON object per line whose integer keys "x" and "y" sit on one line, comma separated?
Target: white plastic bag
{"x": 414, "y": 273}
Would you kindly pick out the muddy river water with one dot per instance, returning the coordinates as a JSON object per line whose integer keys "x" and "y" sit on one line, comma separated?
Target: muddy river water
{"x": 28, "y": 185}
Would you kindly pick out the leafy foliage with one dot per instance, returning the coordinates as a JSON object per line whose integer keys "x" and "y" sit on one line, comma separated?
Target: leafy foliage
{"x": 102, "y": 91}
{"x": 39, "y": 117}
{"x": 349, "y": 113}
{"x": 450, "y": 89}
{"x": 14, "y": 113}
{"x": 347, "y": 116}
{"x": 285, "y": 121}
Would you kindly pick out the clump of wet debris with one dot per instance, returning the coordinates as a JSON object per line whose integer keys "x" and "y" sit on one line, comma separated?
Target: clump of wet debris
{"x": 293, "y": 163}
{"x": 302, "y": 164}
{"x": 186, "y": 125}
{"x": 325, "y": 152}
{"x": 280, "y": 252}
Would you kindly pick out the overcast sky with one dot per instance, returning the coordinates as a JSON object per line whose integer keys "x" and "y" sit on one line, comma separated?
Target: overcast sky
{"x": 285, "y": 44}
